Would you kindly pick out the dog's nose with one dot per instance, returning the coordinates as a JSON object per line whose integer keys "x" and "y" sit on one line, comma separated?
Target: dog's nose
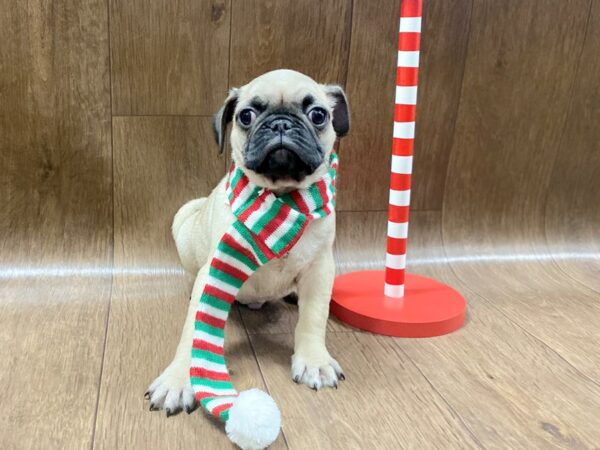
{"x": 281, "y": 125}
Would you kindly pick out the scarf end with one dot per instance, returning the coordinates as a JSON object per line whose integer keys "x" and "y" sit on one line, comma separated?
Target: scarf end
{"x": 254, "y": 420}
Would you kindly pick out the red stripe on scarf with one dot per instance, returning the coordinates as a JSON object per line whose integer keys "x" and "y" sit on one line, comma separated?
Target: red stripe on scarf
{"x": 219, "y": 409}
{"x": 323, "y": 191}
{"x": 295, "y": 239}
{"x": 253, "y": 206}
{"x": 229, "y": 240}
{"x": 275, "y": 223}
{"x": 218, "y": 293}
{"x": 200, "y": 344}
{"x": 202, "y": 395}
{"x": 299, "y": 201}
{"x": 228, "y": 269}
{"x": 210, "y": 320}
{"x": 239, "y": 187}
{"x": 204, "y": 373}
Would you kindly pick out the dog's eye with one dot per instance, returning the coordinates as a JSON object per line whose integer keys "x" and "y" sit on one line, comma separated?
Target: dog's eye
{"x": 318, "y": 116}
{"x": 247, "y": 116}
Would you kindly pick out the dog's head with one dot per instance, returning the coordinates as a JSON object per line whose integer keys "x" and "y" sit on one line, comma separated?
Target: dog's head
{"x": 284, "y": 128}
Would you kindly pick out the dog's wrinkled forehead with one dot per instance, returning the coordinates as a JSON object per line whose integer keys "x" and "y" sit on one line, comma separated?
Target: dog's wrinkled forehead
{"x": 284, "y": 87}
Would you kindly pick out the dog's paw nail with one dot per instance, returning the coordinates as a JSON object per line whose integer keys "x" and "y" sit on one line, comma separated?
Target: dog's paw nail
{"x": 153, "y": 407}
{"x": 147, "y": 395}
{"x": 173, "y": 412}
{"x": 335, "y": 385}
{"x": 297, "y": 379}
{"x": 342, "y": 376}
{"x": 190, "y": 409}
{"x": 314, "y": 387}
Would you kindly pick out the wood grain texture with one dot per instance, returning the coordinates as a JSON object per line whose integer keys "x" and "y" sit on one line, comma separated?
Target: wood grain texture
{"x": 169, "y": 57}
{"x": 385, "y": 402}
{"x": 496, "y": 193}
{"x": 55, "y": 156}
{"x": 365, "y": 153}
{"x": 444, "y": 42}
{"x": 160, "y": 163}
{"x": 573, "y": 202}
{"x": 55, "y": 220}
{"x": 51, "y": 343}
{"x": 509, "y": 125}
{"x": 310, "y": 36}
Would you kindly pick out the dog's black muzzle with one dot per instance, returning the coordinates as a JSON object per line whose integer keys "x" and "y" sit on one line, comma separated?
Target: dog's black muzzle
{"x": 283, "y": 146}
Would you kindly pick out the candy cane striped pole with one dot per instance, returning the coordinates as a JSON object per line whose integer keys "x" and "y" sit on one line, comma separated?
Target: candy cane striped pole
{"x": 402, "y": 147}
{"x": 428, "y": 307}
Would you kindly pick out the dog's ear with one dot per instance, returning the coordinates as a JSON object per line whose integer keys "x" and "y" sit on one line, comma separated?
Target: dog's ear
{"x": 223, "y": 117}
{"x": 341, "y": 112}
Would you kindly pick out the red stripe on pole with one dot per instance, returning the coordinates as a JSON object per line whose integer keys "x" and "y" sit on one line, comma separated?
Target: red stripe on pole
{"x": 394, "y": 276}
{"x": 403, "y": 147}
{"x": 400, "y": 182}
{"x": 409, "y": 42}
{"x": 398, "y": 213}
{"x": 411, "y": 8}
{"x": 405, "y": 113}
{"x": 396, "y": 246}
{"x": 407, "y": 76}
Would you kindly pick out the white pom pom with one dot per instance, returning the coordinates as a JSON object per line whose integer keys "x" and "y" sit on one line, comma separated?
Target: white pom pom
{"x": 254, "y": 420}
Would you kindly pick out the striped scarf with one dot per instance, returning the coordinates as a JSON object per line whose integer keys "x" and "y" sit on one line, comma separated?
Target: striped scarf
{"x": 266, "y": 227}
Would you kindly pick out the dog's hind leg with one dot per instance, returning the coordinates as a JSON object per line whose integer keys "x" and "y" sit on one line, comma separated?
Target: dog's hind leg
{"x": 184, "y": 227}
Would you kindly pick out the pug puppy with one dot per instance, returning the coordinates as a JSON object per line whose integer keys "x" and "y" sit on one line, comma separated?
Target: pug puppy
{"x": 284, "y": 126}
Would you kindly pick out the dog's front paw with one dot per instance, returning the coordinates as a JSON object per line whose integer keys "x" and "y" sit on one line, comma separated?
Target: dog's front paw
{"x": 316, "y": 370}
{"x": 172, "y": 391}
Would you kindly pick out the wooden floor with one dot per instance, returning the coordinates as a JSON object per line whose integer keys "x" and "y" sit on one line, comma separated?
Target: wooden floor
{"x": 523, "y": 373}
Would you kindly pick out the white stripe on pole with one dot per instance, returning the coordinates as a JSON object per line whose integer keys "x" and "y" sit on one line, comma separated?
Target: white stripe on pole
{"x": 402, "y": 164}
{"x": 404, "y": 130}
{"x": 395, "y": 261}
{"x": 398, "y": 230}
{"x": 406, "y": 95}
{"x": 399, "y": 198}
{"x": 410, "y": 25}
{"x": 408, "y": 58}
{"x": 393, "y": 290}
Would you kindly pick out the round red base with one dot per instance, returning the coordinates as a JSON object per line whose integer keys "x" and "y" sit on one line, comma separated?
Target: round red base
{"x": 428, "y": 308}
